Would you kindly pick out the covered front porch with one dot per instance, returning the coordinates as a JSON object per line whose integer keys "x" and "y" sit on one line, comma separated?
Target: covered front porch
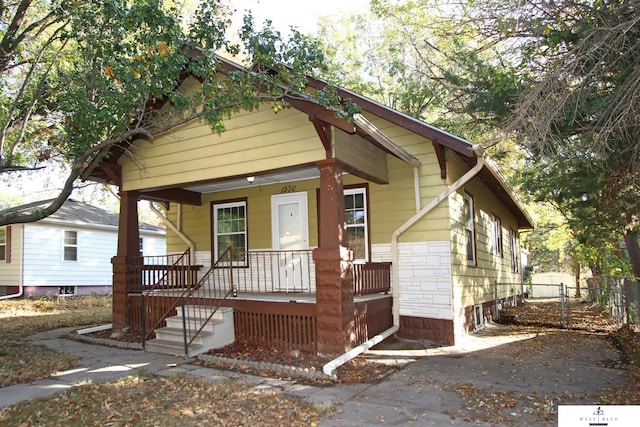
{"x": 273, "y": 295}
{"x": 316, "y": 300}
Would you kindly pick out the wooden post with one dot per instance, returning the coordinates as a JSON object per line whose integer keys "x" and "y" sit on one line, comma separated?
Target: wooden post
{"x": 126, "y": 272}
{"x": 334, "y": 279}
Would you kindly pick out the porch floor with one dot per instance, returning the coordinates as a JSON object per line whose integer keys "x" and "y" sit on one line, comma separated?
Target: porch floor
{"x": 305, "y": 298}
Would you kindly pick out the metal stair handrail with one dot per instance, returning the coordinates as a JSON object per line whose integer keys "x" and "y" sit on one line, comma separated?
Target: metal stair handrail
{"x": 163, "y": 284}
{"x": 207, "y": 290}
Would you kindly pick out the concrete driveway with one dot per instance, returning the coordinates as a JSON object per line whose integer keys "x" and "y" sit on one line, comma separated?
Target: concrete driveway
{"x": 502, "y": 375}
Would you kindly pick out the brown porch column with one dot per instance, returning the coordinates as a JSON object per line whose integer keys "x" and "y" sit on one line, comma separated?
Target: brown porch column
{"x": 126, "y": 275}
{"x": 334, "y": 280}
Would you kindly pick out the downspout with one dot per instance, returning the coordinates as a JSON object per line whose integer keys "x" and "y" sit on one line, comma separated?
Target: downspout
{"x": 170, "y": 225}
{"x": 416, "y": 187}
{"x": 21, "y": 283}
{"x": 329, "y": 369}
{"x": 479, "y": 152}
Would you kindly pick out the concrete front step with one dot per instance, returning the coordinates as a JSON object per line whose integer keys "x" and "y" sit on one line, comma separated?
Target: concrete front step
{"x": 169, "y": 333}
{"x": 218, "y": 332}
{"x": 172, "y": 348}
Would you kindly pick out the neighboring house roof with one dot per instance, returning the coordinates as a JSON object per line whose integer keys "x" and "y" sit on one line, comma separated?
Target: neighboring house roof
{"x": 490, "y": 174}
{"x": 74, "y": 212}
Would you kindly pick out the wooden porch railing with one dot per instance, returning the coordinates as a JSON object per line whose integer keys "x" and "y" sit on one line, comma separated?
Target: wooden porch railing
{"x": 162, "y": 279}
{"x": 294, "y": 272}
{"x": 165, "y": 272}
{"x": 371, "y": 278}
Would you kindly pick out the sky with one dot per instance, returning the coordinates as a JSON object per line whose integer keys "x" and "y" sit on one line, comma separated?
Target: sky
{"x": 298, "y": 13}
{"x": 283, "y": 14}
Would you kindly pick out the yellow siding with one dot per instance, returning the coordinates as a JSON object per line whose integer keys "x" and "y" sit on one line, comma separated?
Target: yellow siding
{"x": 393, "y": 204}
{"x": 477, "y": 284}
{"x": 260, "y": 140}
{"x": 11, "y": 273}
{"x": 254, "y": 141}
{"x": 390, "y": 205}
{"x": 196, "y": 220}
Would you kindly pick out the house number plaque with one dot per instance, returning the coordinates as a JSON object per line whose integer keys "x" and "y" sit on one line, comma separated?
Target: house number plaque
{"x": 288, "y": 189}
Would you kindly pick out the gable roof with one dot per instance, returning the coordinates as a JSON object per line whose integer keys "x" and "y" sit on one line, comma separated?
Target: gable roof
{"x": 440, "y": 138}
{"x": 74, "y": 212}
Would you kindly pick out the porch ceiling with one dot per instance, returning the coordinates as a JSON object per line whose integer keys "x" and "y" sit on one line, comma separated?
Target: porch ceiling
{"x": 265, "y": 179}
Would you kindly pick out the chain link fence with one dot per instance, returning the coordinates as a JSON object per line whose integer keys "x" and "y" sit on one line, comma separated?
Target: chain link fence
{"x": 618, "y": 297}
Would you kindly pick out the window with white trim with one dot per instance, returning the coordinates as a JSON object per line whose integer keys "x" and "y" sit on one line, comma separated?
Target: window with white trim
{"x": 3, "y": 244}
{"x": 356, "y": 215}
{"x": 230, "y": 228}
{"x": 478, "y": 316}
{"x": 496, "y": 236}
{"x": 70, "y": 246}
{"x": 513, "y": 237}
{"x": 470, "y": 229}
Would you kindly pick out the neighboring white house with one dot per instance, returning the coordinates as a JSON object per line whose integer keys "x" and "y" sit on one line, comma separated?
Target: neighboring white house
{"x": 67, "y": 253}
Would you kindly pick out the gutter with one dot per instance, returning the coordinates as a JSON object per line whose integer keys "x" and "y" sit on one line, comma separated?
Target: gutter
{"x": 170, "y": 225}
{"x": 365, "y": 125}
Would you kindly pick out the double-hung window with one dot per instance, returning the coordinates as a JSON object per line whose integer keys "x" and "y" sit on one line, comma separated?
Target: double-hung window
{"x": 513, "y": 237}
{"x": 3, "y": 244}
{"x": 470, "y": 230}
{"x": 70, "y": 245}
{"x": 496, "y": 236}
{"x": 230, "y": 229}
{"x": 355, "y": 203}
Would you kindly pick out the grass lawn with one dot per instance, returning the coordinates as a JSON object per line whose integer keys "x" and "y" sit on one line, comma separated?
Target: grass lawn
{"x": 133, "y": 401}
{"x": 23, "y": 362}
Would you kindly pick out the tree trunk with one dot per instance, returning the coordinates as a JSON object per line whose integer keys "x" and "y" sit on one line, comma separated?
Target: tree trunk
{"x": 633, "y": 249}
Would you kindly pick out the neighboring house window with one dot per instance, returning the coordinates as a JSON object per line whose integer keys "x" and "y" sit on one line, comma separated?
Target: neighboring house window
{"x": 470, "y": 230}
{"x": 230, "y": 227}
{"x": 141, "y": 243}
{"x": 513, "y": 237}
{"x": 70, "y": 245}
{"x": 355, "y": 202}
{"x": 496, "y": 236}
{"x": 66, "y": 290}
{"x": 3, "y": 244}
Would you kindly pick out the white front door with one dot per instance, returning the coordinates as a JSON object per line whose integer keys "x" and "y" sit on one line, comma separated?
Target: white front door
{"x": 290, "y": 232}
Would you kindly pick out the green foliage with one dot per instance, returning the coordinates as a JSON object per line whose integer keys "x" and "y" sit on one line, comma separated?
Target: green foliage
{"x": 549, "y": 86}
{"x": 111, "y": 64}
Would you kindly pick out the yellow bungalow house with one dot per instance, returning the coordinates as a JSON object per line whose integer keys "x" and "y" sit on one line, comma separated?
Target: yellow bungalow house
{"x": 306, "y": 231}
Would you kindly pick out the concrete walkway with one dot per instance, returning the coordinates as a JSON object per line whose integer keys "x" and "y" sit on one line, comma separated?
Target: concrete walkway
{"x": 495, "y": 377}
{"x": 101, "y": 363}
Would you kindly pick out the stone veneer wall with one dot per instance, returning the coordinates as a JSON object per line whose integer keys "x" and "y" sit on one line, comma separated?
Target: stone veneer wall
{"x": 426, "y": 310}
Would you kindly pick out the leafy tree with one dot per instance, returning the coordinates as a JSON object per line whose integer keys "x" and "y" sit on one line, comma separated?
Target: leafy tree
{"x": 555, "y": 78}
{"x": 32, "y": 42}
{"x": 113, "y": 61}
{"x": 579, "y": 118}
